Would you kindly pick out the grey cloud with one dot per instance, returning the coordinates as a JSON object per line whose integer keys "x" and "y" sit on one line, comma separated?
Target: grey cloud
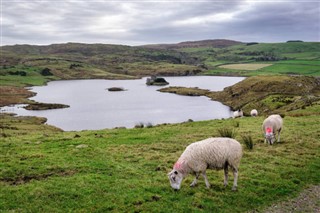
{"x": 139, "y": 22}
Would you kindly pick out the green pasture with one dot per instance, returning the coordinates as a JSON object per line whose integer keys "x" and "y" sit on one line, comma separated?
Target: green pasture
{"x": 286, "y": 67}
{"x": 44, "y": 169}
{"x": 123, "y": 170}
{"x": 32, "y": 77}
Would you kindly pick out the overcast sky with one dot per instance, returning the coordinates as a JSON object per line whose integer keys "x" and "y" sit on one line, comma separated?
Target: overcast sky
{"x": 137, "y": 22}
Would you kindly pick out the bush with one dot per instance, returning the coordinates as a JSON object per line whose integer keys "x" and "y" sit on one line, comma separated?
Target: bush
{"x": 21, "y": 73}
{"x": 252, "y": 43}
{"x": 139, "y": 125}
{"x": 247, "y": 139}
{"x": 46, "y": 72}
{"x": 226, "y": 132}
{"x": 149, "y": 125}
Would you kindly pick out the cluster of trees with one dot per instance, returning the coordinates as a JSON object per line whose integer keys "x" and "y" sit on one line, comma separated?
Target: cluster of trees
{"x": 44, "y": 72}
{"x": 21, "y": 73}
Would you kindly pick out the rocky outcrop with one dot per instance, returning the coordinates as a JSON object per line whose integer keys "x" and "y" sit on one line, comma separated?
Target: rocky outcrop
{"x": 156, "y": 81}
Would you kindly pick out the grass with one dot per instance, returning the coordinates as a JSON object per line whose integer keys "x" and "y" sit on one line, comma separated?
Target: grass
{"x": 290, "y": 68}
{"x": 294, "y": 67}
{"x": 267, "y": 94}
{"x": 247, "y": 140}
{"x": 245, "y": 66}
{"x": 125, "y": 169}
{"x": 43, "y": 169}
{"x": 226, "y": 132}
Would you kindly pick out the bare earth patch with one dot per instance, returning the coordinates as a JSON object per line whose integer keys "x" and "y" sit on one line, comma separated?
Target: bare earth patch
{"x": 249, "y": 67}
{"x": 307, "y": 201}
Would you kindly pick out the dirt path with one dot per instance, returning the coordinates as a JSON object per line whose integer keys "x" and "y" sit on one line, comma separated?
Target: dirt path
{"x": 307, "y": 201}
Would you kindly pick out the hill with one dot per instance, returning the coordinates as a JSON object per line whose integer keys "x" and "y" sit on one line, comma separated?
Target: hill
{"x": 24, "y": 65}
{"x": 215, "y": 43}
{"x": 267, "y": 94}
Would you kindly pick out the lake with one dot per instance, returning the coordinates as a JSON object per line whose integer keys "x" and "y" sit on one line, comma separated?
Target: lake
{"x": 93, "y": 107}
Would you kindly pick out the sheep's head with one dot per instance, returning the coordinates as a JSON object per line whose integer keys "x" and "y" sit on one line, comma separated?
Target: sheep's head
{"x": 270, "y": 136}
{"x": 175, "y": 178}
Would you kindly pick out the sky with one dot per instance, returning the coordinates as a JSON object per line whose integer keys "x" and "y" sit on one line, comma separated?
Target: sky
{"x": 139, "y": 22}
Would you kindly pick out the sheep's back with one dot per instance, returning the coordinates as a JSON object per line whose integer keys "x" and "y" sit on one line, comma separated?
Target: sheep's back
{"x": 273, "y": 120}
{"x": 213, "y": 153}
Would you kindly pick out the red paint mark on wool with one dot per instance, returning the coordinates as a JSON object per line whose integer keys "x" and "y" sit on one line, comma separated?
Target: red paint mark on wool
{"x": 177, "y": 165}
{"x": 268, "y": 130}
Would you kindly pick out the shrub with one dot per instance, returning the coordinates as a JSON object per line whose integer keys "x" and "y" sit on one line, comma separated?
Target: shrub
{"x": 149, "y": 125}
{"x": 21, "y": 73}
{"x": 247, "y": 139}
{"x": 226, "y": 132}
{"x": 252, "y": 43}
{"x": 46, "y": 72}
{"x": 139, "y": 125}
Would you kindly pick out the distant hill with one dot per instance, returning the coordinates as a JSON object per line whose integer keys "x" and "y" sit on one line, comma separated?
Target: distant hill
{"x": 214, "y": 43}
{"x": 108, "y": 61}
{"x": 25, "y": 65}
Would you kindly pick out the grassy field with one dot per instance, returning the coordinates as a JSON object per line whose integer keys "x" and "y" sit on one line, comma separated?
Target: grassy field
{"x": 286, "y": 67}
{"x": 43, "y": 169}
{"x": 125, "y": 169}
{"x": 247, "y": 67}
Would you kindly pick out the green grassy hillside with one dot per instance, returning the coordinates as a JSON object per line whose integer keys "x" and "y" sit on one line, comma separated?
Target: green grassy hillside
{"x": 126, "y": 169}
{"x": 267, "y": 94}
{"x": 286, "y": 58}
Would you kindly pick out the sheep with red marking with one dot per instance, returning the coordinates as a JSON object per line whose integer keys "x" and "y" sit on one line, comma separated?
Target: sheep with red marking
{"x": 211, "y": 153}
{"x": 271, "y": 126}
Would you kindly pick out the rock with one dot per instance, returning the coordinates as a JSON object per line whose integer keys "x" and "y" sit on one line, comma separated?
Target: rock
{"x": 116, "y": 89}
{"x": 156, "y": 81}
{"x": 81, "y": 146}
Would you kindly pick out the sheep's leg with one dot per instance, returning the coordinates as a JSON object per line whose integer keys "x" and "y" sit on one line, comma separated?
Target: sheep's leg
{"x": 225, "y": 174}
{"x": 279, "y": 135}
{"x": 194, "y": 182}
{"x": 235, "y": 181}
{"x": 206, "y": 179}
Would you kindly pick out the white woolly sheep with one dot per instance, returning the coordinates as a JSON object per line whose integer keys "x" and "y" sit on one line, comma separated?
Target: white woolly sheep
{"x": 270, "y": 127}
{"x": 254, "y": 113}
{"x": 211, "y": 153}
{"x": 238, "y": 113}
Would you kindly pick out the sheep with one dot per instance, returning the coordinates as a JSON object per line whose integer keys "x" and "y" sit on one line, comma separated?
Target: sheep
{"x": 238, "y": 113}
{"x": 211, "y": 153}
{"x": 271, "y": 125}
{"x": 254, "y": 113}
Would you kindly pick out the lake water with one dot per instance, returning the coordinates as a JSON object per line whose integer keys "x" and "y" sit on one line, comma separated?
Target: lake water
{"x": 93, "y": 107}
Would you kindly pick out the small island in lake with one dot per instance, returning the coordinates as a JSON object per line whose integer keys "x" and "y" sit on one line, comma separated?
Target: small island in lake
{"x": 45, "y": 106}
{"x": 116, "y": 89}
{"x": 156, "y": 81}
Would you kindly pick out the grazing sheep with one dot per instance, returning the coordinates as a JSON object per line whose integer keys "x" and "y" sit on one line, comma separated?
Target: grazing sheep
{"x": 238, "y": 113}
{"x": 270, "y": 126}
{"x": 211, "y": 153}
{"x": 254, "y": 113}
